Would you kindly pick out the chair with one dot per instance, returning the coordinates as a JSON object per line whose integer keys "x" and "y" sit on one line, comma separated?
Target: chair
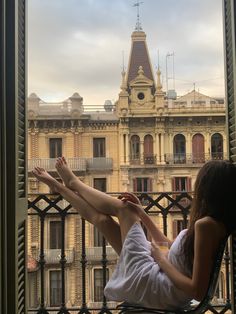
{"x": 201, "y": 307}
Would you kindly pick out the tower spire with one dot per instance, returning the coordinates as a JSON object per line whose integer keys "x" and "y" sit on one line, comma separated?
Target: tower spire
{"x": 138, "y": 26}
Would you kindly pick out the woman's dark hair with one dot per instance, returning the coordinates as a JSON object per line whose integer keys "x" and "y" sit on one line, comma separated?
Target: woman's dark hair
{"x": 214, "y": 196}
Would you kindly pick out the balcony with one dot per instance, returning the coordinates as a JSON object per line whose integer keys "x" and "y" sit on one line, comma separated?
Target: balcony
{"x": 170, "y": 210}
{"x": 192, "y": 159}
{"x": 76, "y": 164}
{"x": 95, "y": 253}
{"x": 53, "y": 256}
{"x": 99, "y": 164}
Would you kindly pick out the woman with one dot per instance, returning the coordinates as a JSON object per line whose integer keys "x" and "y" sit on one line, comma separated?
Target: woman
{"x": 144, "y": 274}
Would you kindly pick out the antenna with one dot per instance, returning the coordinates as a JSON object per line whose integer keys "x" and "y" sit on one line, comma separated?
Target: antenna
{"x": 123, "y": 61}
{"x": 158, "y": 59}
{"x": 138, "y": 26}
{"x": 173, "y": 70}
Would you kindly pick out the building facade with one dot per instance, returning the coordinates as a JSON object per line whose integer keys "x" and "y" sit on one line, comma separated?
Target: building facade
{"x": 147, "y": 141}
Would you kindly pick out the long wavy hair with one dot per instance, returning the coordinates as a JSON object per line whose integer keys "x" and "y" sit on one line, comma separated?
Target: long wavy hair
{"x": 214, "y": 196}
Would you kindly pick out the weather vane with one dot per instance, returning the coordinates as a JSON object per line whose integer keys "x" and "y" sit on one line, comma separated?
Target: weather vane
{"x": 138, "y": 26}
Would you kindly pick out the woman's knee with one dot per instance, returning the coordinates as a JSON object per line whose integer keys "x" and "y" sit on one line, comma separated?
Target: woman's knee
{"x": 102, "y": 221}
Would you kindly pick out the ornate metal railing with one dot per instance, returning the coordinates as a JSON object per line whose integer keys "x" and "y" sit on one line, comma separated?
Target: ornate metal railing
{"x": 170, "y": 210}
{"x": 197, "y": 158}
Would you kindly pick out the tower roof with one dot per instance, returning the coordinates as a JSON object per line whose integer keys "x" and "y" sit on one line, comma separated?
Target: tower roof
{"x": 139, "y": 56}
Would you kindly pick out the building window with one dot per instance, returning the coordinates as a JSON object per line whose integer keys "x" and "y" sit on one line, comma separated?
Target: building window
{"x": 55, "y": 288}
{"x": 217, "y": 146}
{"x": 148, "y": 149}
{"x": 99, "y": 147}
{"x": 55, "y": 147}
{"x": 178, "y": 225}
{"x": 179, "y": 149}
{"x": 100, "y": 184}
{"x": 97, "y": 237}
{"x": 55, "y": 235}
{"x": 99, "y": 284}
{"x": 198, "y": 151}
{"x": 181, "y": 184}
{"x": 142, "y": 185}
{"x": 135, "y": 148}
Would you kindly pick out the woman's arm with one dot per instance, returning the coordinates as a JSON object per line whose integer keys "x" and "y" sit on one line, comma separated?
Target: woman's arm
{"x": 151, "y": 227}
{"x": 205, "y": 245}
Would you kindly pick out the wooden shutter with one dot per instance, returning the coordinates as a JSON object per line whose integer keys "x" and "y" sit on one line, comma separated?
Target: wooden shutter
{"x": 229, "y": 13}
{"x": 13, "y": 157}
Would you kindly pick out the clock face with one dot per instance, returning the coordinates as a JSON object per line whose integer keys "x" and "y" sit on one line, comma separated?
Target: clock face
{"x": 141, "y": 96}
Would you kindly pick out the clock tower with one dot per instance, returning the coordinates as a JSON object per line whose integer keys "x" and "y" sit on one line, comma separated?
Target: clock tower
{"x": 140, "y": 95}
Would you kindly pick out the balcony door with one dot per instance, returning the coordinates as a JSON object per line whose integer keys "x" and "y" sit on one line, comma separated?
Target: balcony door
{"x": 198, "y": 149}
{"x": 179, "y": 149}
{"x": 55, "y": 147}
{"x": 148, "y": 149}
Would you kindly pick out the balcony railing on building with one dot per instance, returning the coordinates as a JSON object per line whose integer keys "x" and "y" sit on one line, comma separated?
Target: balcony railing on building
{"x": 170, "y": 210}
{"x": 99, "y": 164}
{"x": 53, "y": 256}
{"x": 176, "y": 158}
{"x": 76, "y": 164}
{"x": 95, "y": 253}
{"x": 196, "y": 158}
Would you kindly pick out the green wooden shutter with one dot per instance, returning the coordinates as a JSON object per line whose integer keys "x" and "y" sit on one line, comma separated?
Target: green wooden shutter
{"x": 229, "y": 13}
{"x": 13, "y": 169}
{"x": 2, "y": 181}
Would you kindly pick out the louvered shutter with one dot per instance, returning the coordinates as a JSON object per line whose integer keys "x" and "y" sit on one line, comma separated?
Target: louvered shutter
{"x": 13, "y": 157}
{"x": 229, "y": 13}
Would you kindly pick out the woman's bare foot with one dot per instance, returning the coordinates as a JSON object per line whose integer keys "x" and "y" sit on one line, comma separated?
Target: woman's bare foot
{"x": 43, "y": 176}
{"x": 65, "y": 172}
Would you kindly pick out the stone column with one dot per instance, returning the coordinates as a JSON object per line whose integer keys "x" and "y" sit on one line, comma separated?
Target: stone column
{"x": 162, "y": 152}
{"x": 127, "y": 148}
{"x": 141, "y": 152}
{"x": 157, "y": 149}
{"x": 122, "y": 153}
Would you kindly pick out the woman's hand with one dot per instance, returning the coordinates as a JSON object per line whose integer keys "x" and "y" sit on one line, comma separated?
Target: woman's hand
{"x": 132, "y": 202}
{"x": 126, "y": 196}
{"x": 158, "y": 254}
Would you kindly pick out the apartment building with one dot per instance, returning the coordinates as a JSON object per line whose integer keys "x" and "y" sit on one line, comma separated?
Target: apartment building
{"x": 149, "y": 140}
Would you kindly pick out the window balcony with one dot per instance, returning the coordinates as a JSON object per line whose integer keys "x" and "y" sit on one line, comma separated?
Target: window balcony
{"x": 76, "y": 164}
{"x": 53, "y": 256}
{"x": 192, "y": 159}
{"x": 149, "y": 159}
{"x": 95, "y": 253}
{"x": 99, "y": 164}
{"x": 72, "y": 277}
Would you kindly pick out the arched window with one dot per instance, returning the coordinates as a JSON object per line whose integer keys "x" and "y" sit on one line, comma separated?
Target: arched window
{"x": 148, "y": 149}
{"x": 135, "y": 149}
{"x": 217, "y": 146}
{"x": 198, "y": 150}
{"x": 179, "y": 149}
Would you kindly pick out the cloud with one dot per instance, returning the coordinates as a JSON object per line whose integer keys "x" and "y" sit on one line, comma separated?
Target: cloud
{"x": 76, "y": 45}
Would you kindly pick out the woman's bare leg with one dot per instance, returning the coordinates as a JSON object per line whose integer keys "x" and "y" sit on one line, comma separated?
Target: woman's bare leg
{"x": 105, "y": 224}
{"x": 103, "y": 202}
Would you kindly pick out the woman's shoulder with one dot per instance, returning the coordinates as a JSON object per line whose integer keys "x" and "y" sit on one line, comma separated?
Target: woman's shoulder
{"x": 210, "y": 226}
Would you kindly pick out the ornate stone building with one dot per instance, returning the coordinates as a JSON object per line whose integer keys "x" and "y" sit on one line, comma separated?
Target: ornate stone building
{"x": 145, "y": 142}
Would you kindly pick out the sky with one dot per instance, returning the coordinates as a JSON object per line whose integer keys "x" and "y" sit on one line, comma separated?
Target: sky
{"x": 78, "y": 46}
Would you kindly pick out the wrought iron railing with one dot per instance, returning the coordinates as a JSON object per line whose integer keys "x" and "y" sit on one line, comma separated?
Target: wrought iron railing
{"x": 197, "y": 158}
{"x": 166, "y": 208}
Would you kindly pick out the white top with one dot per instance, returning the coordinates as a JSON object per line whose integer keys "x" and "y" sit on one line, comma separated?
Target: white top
{"x": 138, "y": 278}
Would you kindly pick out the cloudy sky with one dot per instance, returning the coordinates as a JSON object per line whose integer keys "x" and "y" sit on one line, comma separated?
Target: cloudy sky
{"x": 76, "y": 46}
